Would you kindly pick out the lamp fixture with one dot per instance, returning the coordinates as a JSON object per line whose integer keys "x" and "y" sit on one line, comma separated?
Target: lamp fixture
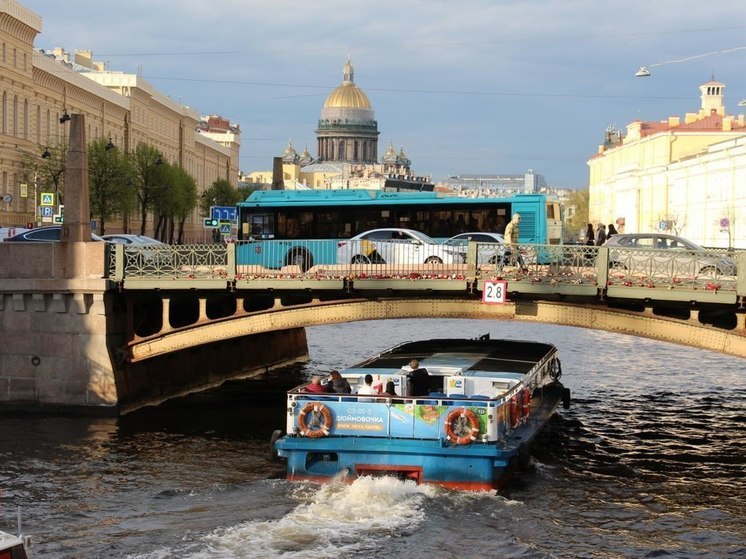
{"x": 65, "y": 116}
{"x": 110, "y": 145}
{"x": 47, "y": 154}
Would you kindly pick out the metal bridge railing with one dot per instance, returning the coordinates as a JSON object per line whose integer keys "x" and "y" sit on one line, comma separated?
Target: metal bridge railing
{"x": 529, "y": 268}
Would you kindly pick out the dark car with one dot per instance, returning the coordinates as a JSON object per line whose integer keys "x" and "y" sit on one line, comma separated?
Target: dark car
{"x": 48, "y": 234}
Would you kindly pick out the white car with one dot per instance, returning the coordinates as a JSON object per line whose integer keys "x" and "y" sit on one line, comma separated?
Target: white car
{"x": 395, "y": 246}
{"x": 6, "y": 232}
{"x": 153, "y": 251}
{"x": 491, "y": 252}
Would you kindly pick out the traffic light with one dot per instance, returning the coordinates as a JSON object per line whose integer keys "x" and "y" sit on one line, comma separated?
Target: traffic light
{"x": 209, "y": 222}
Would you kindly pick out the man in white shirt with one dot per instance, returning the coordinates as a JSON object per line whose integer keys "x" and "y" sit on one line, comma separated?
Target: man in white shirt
{"x": 367, "y": 389}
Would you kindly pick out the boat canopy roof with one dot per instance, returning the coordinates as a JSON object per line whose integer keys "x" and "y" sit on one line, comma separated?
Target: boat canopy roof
{"x": 448, "y": 357}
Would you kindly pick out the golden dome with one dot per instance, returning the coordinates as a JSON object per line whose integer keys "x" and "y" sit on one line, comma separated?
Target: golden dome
{"x": 347, "y": 95}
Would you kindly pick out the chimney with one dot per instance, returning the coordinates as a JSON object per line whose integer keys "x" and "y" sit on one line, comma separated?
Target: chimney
{"x": 278, "y": 180}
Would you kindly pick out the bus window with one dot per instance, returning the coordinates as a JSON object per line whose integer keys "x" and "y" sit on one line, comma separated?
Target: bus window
{"x": 262, "y": 226}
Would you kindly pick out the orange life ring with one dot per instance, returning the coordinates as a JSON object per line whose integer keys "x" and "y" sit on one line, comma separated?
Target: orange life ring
{"x": 515, "y": 410}
{"x": 460, "y": 432}
{"x": 319, "y": 423}
{"x": 526, "y": 403}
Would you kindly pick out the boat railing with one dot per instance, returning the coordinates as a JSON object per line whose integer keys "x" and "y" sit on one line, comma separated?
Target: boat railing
{"x": 407, "y": 417}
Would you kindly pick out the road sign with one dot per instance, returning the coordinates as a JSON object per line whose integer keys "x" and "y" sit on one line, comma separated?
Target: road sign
{"x": 209, "y": 222}
{"x": 57, "y": 218}
{"x": 494, "y": 292}
{"x": 225, "y": 227}
{"x": 47, "y": 199}
{"x": 229, "y": 213}
{"x": 93, "y": 225}
{"x": 24, "y": 190}
{"x": 47, "y": 211}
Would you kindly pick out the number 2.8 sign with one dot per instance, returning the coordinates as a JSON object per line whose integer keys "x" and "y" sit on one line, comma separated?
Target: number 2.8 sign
{"x": 493, "y": 292}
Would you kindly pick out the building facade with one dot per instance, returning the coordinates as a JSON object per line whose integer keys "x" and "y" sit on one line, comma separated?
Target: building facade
{"x": 679, "y": 177}
{"x": 38, "y": 88}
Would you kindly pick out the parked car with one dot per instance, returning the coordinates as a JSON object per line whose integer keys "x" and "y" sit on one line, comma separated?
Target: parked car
{"x": 144, "y": 256}
{"x": 47, "y": 234}
{"x": 491, "y": 253}
{"x": 673, "y": 254}
{"x": 395, "y": 246}
{"x": 136, "y": 240}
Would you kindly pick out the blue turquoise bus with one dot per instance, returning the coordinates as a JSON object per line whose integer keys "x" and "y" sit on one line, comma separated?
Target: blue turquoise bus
{"x": 275, "y": 226}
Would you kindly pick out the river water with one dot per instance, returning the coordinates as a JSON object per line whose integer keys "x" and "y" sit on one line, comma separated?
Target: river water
{"x": 650, "y": 461}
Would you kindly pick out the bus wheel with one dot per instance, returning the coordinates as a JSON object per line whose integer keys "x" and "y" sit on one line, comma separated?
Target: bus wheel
{"x": 433, "y": 260}
{"x": 360, "y": 259}
{"x": 301, "y": 258}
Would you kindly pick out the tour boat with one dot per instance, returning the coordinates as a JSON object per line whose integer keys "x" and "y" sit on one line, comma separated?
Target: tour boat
{"x": 487, "y": 401}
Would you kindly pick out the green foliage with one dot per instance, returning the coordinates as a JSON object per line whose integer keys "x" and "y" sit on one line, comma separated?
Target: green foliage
{"x": 148, "y": 178}
{"x": 110, "y": 183}
{"x": 578, "y": 200}
{"x": 220, "y": 193}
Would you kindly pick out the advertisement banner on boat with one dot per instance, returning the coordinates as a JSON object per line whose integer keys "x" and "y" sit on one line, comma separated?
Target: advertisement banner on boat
{"x": 388, "y": 419}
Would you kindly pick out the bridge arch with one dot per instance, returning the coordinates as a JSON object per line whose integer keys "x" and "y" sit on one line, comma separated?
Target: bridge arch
{"x": 687, "y": 330}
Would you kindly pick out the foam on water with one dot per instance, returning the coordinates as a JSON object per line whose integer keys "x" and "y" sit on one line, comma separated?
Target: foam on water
{"x": 333, "y": 520}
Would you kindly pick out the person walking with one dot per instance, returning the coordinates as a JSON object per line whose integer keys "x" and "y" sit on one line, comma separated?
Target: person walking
{"x": 511, "y": 239}
{"x": 611, "y": 231}
{"x": 600, "y": 234}
{"x": 590, "y": 238}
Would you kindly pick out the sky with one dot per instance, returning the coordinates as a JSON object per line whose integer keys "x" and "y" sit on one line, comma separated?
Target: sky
{"x": 467, "y": 87}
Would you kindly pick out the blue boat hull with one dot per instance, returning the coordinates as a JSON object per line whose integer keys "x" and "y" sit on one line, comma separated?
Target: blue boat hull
{"x": 475, "y": 466}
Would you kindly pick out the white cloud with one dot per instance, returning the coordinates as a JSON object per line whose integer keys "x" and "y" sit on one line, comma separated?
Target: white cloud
{"x": 499, "y": 85}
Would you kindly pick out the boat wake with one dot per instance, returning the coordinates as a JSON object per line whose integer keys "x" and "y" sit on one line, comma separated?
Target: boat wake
{"x": 332, "y": 520}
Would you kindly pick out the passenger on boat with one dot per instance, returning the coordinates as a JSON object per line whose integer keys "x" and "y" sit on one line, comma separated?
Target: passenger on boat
{"x": 338, "y": 383}
{"x": 367, "y": 388}
{"x": 390, "y": 389}
{"x": 315, "y": 386}
{"x": 419, "y": 379}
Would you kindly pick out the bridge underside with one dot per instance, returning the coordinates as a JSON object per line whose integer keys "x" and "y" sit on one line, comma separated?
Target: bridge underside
{"x": 691, "y": 327}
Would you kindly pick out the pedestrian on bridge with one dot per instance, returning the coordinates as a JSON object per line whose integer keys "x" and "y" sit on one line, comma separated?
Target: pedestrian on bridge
{"x": 511, "y": 239}
{"x": 590, "y": 237}
{"x": 600, "y": 234}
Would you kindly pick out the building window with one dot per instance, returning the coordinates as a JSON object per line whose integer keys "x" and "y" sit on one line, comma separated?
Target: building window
{"x": 14, "y": 132}
{"x": 25, "y": 119}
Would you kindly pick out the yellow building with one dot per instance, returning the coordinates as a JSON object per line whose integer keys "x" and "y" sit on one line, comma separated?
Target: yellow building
{"x": 37, "y": 88}
{"x": 677, "y": 176}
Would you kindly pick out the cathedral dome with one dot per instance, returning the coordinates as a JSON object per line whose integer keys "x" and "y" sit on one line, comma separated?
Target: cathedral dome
{"x": 347, "y": 95}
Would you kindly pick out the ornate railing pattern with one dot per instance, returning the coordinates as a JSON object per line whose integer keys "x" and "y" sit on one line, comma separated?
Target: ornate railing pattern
{"x": 528, "y": 268}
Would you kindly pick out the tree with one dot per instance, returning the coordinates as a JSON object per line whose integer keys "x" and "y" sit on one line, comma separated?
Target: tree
{"x": 173, "y": 202}
{"x": 110, "y": 181}
{"x": 220, "y": 193}
{"x": 148, "y": 173}
{"x": 578, "y": 200}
